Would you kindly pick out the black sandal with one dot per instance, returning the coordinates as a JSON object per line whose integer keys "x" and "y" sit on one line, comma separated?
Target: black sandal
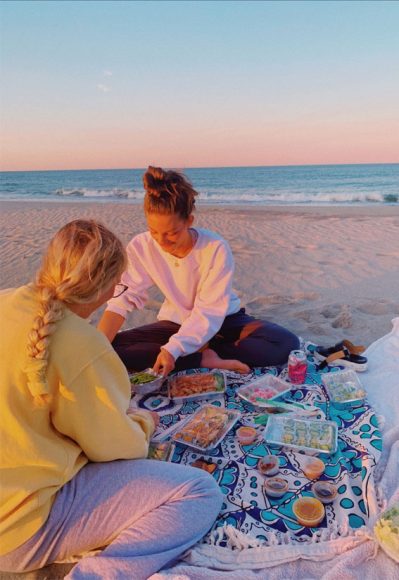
{"x": 344, "y": 353}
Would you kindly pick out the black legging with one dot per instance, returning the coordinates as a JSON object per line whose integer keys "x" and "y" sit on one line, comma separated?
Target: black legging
{"x": 255, "y": 342}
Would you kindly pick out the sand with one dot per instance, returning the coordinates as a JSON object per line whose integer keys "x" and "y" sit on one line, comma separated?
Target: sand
{"x": 326, "y": 273}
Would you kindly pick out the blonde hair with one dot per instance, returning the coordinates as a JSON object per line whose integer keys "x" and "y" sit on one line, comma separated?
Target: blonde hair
{"x": 82, "y": 261}
{"x": 168, "y": 192}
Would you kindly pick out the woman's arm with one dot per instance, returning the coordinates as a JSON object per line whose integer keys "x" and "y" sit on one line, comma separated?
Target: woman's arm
{"x": 211, "y": 305}
{"x": 93, "y": 410}
{"x": 110, "y": 323}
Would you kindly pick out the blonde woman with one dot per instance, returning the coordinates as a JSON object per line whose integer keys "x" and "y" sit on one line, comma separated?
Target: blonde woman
{"x": 201, "y": 322}
{"x": 74, "y": 477}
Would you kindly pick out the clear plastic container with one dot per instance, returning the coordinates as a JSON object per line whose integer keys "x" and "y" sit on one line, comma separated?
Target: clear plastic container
{"x": 324, "y": 491}
{"x": 304, "y": 435}
{"x": 269, "y": 465}
{"x": 184, "y": 386}
{"x": 275, "y": 486}
{"x": 206, "y": 428}
{"x": 344, "y": 389}
{"x": 309, "y": 511}
{"x": 264, "y": 389}
{"x": 246, "y": 435}
{"x": 142, "y": 383}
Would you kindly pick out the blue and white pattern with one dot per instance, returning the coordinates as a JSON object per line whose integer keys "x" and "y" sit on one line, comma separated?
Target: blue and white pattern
{"x": 234, "y": 466}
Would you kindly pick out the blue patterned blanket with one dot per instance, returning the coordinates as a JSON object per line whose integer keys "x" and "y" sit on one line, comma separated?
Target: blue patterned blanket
{"x": 246, "y": 507}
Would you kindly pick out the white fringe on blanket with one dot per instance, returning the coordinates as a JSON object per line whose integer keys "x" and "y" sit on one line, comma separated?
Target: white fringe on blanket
{"x": 247, "y": 552}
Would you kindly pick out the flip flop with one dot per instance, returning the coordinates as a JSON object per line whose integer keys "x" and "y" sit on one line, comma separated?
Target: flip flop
{"x": 344, "y": 353}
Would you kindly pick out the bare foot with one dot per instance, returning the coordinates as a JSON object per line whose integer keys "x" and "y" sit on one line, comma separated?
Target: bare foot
{"x": 213, "y": 361}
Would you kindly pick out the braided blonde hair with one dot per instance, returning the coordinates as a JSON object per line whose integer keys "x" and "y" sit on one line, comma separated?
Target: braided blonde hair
{"x": 82, "y": 261}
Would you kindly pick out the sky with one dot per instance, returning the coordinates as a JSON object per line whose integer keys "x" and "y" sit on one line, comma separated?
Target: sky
{"x": 87, "y": 85}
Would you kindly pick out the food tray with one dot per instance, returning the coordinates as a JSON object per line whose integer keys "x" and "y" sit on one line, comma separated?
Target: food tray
{"x": 206, "y": 428}
{"x": 344, "y": 389}
{"x": 184, "y": 386}
{"x": 302, "y": 434}
{"x": 160, "y": 451}
{"x": 267, "y": 387}
{"x": 149, "y": 386}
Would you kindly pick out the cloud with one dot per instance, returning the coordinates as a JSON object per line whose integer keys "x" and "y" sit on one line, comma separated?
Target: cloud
{"x": 103, "y": 88}
{"x": 107, "y": 73}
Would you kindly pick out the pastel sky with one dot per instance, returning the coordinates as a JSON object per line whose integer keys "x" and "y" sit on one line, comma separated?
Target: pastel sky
{"x": 195, "y": 84}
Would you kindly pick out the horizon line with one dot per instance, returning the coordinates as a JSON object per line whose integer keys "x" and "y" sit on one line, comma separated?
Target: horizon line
{"x": 200, "y": 167}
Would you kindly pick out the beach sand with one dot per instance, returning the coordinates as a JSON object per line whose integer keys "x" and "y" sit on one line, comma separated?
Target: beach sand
{"x": 326, "y": 273}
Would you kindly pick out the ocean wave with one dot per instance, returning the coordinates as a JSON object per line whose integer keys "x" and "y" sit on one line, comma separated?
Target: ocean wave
{"x": 299, "y": 197}
{"x": 101, "y": 193}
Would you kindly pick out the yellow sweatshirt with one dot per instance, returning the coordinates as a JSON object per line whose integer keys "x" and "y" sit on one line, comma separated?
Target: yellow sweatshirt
{"x": 43, "y": 448}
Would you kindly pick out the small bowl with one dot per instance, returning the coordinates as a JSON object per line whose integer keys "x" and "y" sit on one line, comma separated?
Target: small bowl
{"x": 313, "y": 467}
{"x": 246, "y": 435}
{"x": 309, "y": 511}
{"x": 275, "y": 486}
{"x": 324, "y": 491}
{"x": 269, "y": 465}
{"x": 143, "y": 388}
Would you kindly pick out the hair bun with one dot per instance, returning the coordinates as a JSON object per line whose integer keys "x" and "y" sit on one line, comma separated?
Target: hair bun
{"x": 154, "y": 180}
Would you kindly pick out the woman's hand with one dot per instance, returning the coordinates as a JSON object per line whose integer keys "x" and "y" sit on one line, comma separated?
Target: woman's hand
{"x": 165, "y": 363}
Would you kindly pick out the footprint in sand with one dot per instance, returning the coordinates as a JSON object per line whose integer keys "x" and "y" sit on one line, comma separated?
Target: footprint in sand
{"x": 344, "y": 318}
{"x": 379, "y": 307}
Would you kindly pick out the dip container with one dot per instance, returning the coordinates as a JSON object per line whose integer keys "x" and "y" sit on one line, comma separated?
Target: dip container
{"x": 206, "y": 428}
{"x": 275, "y": 486}
{"x": 313, "y": 467}
{"x": 344, "y": 389}
{"x": 324, "y": 491}
{"x": 142, "y": 384}
{"x": 246, "y": 435}
{"x": 184, "y": 386}
{"x": 309, "y": 511}
{"x": 269, "y": 465}
{"x": 302, "y": 434}
{"x": 263, "y": 389}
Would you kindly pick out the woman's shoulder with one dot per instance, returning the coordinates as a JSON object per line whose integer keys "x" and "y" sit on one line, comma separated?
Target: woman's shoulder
{"x": 80, "y": 335}
{"x": 140, "y": 241}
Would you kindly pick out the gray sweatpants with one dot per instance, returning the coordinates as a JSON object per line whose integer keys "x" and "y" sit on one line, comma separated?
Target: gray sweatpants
{"x": 146, "y": 512}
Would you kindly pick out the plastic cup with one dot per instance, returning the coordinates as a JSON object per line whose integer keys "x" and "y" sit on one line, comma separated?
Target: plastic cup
{"x": 309, "y": 511}
{"x": 313, "y": 467}
{"x": 246, "y": 435}
{"x": 269, "y": 465}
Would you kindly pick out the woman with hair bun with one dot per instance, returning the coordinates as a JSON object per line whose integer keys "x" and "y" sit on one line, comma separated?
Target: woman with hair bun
{"x": 200, "y": 323}
{"x": 73, "y": 467}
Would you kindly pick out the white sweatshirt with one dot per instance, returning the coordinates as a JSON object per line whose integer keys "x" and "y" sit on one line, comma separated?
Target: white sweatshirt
{"x": 197, "y": 288}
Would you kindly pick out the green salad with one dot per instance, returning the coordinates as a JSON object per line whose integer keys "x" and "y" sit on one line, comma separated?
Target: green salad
{"x": 387, "y": 532}
{"x": 142, "y": 378}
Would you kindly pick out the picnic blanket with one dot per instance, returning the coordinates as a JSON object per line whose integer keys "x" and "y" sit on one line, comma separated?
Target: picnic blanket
{"x": 255, "y": 531}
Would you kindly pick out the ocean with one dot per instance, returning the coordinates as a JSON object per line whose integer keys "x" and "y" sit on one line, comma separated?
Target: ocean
{"x": 282, "y": 185}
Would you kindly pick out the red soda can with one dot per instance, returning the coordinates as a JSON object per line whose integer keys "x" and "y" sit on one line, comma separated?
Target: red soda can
{"x": 297, "y": 366}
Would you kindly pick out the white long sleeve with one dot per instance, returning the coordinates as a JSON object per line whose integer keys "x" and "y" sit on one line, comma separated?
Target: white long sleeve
{"x": 197, "y": 288}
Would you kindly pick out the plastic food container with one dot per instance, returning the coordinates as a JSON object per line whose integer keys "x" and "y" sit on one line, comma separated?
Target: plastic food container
{"x": 313, "y": 467}
{"x": 309, "y": 511}
{"x": 246, "y": 435}
{"x": 269, "y": 465}
{"x": 206, "y": 428}
{"x": 275, "y": 486}
{"x": 160, "y": 451}
{"x": 145, "y": 382}
{"x": 184, "y": 386}
{"x": 324, "y": 491}
{"x": 344, "y": 389}
{"x": 302, "y": 434}
{"x": 260, "y": 391}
